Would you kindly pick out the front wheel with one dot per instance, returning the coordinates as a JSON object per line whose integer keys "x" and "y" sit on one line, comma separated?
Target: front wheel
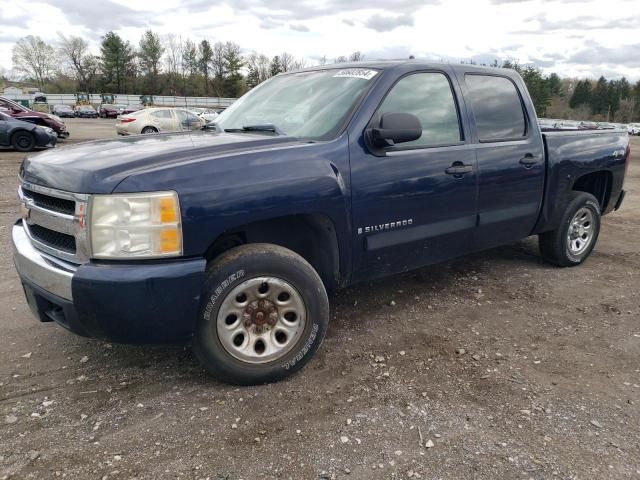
{"x": 264, "y": 314}
{"x": 576, "y": 236}
{"x": 23, "y": 141}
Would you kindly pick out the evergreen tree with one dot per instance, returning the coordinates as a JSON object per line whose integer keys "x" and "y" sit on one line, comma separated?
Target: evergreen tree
{"x": 233, "y": 63}
{"x": 204, "y": 60}
{"x": 117, "y": 62}
{"x": 538, "y": 88}
{"x": 253, "y": 77}
{"x": 636, "y": 92}
{"x": 151, "y": 51}
{"x": 581, "y": 94}
{"x": 600, "y": 97}
{"x": 275, "y": 67}
{"x": 190, "y": 66}
{"x": 555, "y": 85}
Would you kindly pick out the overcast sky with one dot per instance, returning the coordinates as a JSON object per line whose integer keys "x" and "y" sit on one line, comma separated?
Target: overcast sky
{"x": 574, "y": 38}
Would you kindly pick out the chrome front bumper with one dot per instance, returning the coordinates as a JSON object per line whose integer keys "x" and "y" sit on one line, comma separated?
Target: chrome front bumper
{"x": 39, "y": 268}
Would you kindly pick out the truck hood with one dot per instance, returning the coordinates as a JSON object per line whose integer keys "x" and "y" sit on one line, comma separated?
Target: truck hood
{"x": 99, "y": 166}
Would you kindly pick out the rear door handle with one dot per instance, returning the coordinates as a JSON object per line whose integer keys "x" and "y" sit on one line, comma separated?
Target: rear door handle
{"x": 528, "y": 160}
{"x": 459, "y": 168}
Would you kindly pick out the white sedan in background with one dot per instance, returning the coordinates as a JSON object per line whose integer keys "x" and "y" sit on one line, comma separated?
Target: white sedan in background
{"x": 207, "y": 114}
{"x": 155, "y": 120}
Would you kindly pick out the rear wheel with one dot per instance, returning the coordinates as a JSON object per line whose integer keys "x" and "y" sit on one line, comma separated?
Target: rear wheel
{"x": 573, "y": 241}
{"x": 23, "y": 141}
{"x": 147, "y": 130}
{"x": 264, "y": 314}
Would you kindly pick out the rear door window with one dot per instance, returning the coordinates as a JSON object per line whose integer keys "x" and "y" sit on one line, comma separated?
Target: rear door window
{"x": 161, "y": 114}
{"x": 497, "y": 108}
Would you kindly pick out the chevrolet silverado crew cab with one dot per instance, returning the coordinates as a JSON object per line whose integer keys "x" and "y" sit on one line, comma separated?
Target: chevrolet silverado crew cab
{"x": 229, "y": 238}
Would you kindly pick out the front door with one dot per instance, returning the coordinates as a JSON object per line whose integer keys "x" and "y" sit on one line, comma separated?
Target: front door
{"x": 415, "y": 203}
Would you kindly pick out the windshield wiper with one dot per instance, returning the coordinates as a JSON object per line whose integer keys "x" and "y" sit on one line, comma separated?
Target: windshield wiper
{"x": 266, "y": 127}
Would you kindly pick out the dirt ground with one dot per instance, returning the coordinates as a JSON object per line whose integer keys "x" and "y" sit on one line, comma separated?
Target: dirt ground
{"x": 494, "y": 366}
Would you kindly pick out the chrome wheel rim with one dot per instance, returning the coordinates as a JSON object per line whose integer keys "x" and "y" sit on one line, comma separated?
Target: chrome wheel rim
{"x": 581, "y": 231}
{"x": 261, "y": 319}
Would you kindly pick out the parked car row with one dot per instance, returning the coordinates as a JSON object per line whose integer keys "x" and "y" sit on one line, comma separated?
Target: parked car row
{"x": 20, "y": 112}
{"x": 554, "y": 124}
{"x": 88, "y": 111}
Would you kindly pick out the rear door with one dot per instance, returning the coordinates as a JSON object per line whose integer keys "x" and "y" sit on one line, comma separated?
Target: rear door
{"x": 415, "y": 203}
{"x": 510, "y": 157}
{"x": 163, "y": 120}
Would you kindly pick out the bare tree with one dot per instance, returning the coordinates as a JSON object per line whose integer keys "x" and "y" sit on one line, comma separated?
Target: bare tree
{"x": 356, "y": 57}
{"x": 299, "y": 63}
{"x": 74, "y": 52}
{"x": 340, "y": 59}
{"x": 36, "y": 59}
{"x": 286, "y": 61}
{"x": 173, "y": 60}
{"x": 322, "y": 60}
{"x": 217, "y": 62}
{"x": 626, "y": 110}
{"x": 263, "y": 65}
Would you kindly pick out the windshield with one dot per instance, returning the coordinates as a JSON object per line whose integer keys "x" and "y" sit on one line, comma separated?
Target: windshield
{"x": 311, "y": 105}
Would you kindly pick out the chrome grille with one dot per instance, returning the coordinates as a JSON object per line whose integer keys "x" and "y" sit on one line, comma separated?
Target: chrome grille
{"x": 58, "y": 240}
{"x": 55, "y": 221}
{"x": 60, "y": 205}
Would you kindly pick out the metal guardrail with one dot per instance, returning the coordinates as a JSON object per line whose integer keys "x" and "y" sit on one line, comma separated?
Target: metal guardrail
{"x": 94, "y": 99}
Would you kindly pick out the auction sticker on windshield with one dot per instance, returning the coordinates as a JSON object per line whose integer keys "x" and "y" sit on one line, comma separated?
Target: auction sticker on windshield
{"x": 363, "y": 73}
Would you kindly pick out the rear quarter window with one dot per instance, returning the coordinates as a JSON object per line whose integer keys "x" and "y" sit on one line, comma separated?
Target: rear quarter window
{"x": 497, "y": 108}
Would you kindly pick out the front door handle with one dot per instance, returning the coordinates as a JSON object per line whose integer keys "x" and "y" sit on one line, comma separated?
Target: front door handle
{"x": 528, "y": 160}
{"x": 459, "y": 169}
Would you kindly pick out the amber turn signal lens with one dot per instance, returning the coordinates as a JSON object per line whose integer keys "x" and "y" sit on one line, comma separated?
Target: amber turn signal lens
{"x": 168, "y": 210}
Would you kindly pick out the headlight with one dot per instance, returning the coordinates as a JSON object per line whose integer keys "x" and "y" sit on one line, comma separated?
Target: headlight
{"x": 48, "y": 130}
{"x": 135, "y": 225}
{"x": 56, "y": 118}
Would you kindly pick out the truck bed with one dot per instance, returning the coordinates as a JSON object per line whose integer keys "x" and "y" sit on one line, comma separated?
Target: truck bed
{"x": 572, "y": 154}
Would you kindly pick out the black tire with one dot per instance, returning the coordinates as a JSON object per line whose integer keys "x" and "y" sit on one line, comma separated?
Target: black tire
{"x": 23, "y": 141}
{"x": 554, "y": 245}
{"x": 147, "y": 130}
{"x": 236, "y": 267}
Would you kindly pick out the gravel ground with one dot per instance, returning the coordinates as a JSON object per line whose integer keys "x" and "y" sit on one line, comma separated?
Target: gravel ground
{"x": 492, "y": 366}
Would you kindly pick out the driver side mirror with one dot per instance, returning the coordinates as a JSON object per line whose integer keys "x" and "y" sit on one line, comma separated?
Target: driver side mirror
{"x": 395, "y": 128}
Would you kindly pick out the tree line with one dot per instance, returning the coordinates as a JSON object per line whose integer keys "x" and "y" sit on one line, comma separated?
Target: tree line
{"x": 172, "y": 65}
{"x": 168, "y": 65}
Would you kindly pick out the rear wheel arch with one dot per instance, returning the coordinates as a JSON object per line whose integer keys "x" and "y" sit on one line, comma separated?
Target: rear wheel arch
{"x": 312, "y": 236}
{"x": 598, "y": 184}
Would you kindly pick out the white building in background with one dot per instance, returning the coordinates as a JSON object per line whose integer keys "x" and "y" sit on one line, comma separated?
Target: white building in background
{"x": 12, "y": 91}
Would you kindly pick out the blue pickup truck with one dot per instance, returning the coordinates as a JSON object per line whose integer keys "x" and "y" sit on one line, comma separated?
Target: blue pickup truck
{"x": 229, "y": 238}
